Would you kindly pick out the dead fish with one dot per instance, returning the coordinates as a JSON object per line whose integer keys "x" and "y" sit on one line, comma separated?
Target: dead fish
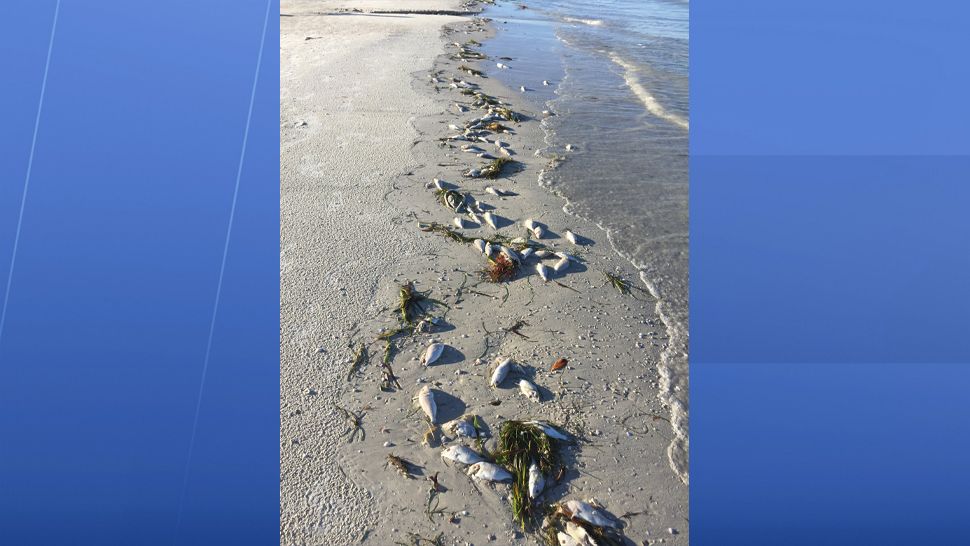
{"x": 529, "y": 224}
{"x": 542, "y": 253}
{"x": 505, "y": 151}
{"x": 538, "y": 231}
{"x": 502, "y": 66}
{"x": 501, "y": 370}
{"x": 479, "y": 245}
{"x": 432, "y": 353}
{"x": 543, "y": 272}
{"x": 529, "y": 390}
{"x": 522, "y": 88}
{"x": 437, "y": 184}
{"x": 427, "y": 403}
{"x": 579, "y": 534}
{"x": 509, "y": 253}
{"x": 461, "y": 427}
{"x": 545, "y": 82}
{"x": 490, "y": 219}
{"x": 459, "y": 223}
{"x": 493, "y": 191}
{"x": 519, "y": 241}
{"x": 485, "y": 155}
{"x": 461, "y": 454}
{"x": 474, "y": 217}
{"x": 549, "y": 430}
{"x": 471, "y": 149}
{"x": 473, "y": 173}
{"x": 569, "y": 147}
{"x": 537, "y": 482}
{"x": 488, "y": 472}
{"x": 460, "y": 107}
{"x": 561, "y": 265}
{"x": 566, "y": 540}
{"x": 488, "y": 249}
{"x": 526, "y": 252}
{"x": 454, "y": 127}
{"x": 588, "y": 512}
{"x": 571, "y": 237}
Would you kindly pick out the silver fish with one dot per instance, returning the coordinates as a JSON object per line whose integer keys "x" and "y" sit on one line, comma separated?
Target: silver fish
{"x": 432, "y": 353}
{"x": 537, "y": 482}
{"x": 488, "y": 472}
{"x": 543, "y": 271}
{"x": 459, "y": 223}
{"x": 589, "y": 513}
{"x": 490, "y": 220}
{"x": 479, "y": 245}
{"x": 461, "y": 454}
{"x": 501, "y": 370}
{"x": 561, "y": 265}
{"x": 529, "y": 390}
{"x": 571, "y": 237}
{"x": 427, "y": 403}
{"x": 526, "y": 252}
{"x": 549, "y": 430}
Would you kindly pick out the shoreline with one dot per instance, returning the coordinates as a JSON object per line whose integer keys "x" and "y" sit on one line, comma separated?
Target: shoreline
{"x": 335, "y": 490}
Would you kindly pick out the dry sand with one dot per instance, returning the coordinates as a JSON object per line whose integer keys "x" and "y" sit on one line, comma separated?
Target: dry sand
{"x": 359, "y": 127}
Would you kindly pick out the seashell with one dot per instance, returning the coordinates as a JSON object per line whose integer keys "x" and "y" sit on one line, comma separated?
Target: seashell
{"x": 529, "y": 390}
{"x": 432, "y": 353}
{"x": 549, "y": 430}
{"x": 490, "y": 219}
{"x": 537, "y": 482}
{"x": 561, "y": 265}
{"x": 543, "y": 271}
{"x": 461, "y": 454}
{"x": 488, "y": 472}
{"x": 501, "y": 370}
{"x": 538, "y": 231}
{"x": 571, "y": 237}
{"x": 585, "y": 511}
{"x": 559, "y": 364}
{"x": 427, "y": 403}
{"x": 545, "y": 82}
{"x": 526, "y": 252}
{"x": 479, "y": 245}
{"x": 493, "y": 191}
{"x": 460, "y": 224}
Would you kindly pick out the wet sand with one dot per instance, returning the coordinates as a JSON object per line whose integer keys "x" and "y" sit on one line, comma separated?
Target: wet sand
{"x": 360, "y": 120}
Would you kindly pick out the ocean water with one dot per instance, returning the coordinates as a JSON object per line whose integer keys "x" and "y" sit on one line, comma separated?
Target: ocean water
{"x": 617, "y": 73}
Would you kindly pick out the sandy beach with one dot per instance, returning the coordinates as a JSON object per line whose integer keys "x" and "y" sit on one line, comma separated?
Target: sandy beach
{"x": 365, "y": 101}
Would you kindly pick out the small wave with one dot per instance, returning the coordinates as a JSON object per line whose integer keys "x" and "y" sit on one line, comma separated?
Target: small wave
{"x": 590, "y": 22}
{"x": 630, "y": 72}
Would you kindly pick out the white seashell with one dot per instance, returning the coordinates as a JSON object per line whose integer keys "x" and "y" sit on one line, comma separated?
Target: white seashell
{"x": 537, "y": 482}
{"x": 479, "y": 245}
{"x": 501, "y": 370}
{"x": 459, "y": 223}
{"x": 432, "y": 353}
{"x": 529, "y": 390}
{"x": 491, "y": 190}
{"x": 538, "y": 231}
{"x": 545, "y": 82}
{"x": 526, "y": 252}
{"x": 549, "y": 430}
{"x": 490, "y": 219}
{"x": 543, "y": 271}
{"x": 461, "y": 428}
{"x": 569, "y": 147}
{"x": 587, "y": 512}
{"x": 561, "y": 265}
{"x": 571, "y": 237}
{"x": 529, "y": 224}
{"x": 485, "y": 471}
{"x": 461, "y": 454}
{"x": 427, "y": 403}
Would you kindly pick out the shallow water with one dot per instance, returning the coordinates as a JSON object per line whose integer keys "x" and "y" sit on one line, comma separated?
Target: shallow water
{"x": 618, "y": 88}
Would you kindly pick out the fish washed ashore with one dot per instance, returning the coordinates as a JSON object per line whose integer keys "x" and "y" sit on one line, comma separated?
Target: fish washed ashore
{"x": 462, "y": 362}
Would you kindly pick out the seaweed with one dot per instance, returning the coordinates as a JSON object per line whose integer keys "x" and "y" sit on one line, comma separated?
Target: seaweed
{"x": 519, "y": 445}
{"x": 500, "y": 269}
{"x": 494, "y": 169}
{"x": 624, "y": 286}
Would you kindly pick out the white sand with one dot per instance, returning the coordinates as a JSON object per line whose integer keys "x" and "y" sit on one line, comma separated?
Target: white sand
{"x": 350, "y": 115}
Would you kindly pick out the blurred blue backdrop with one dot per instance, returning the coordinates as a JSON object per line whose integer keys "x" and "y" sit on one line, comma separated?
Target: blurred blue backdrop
{"x": 111, "y": 298}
